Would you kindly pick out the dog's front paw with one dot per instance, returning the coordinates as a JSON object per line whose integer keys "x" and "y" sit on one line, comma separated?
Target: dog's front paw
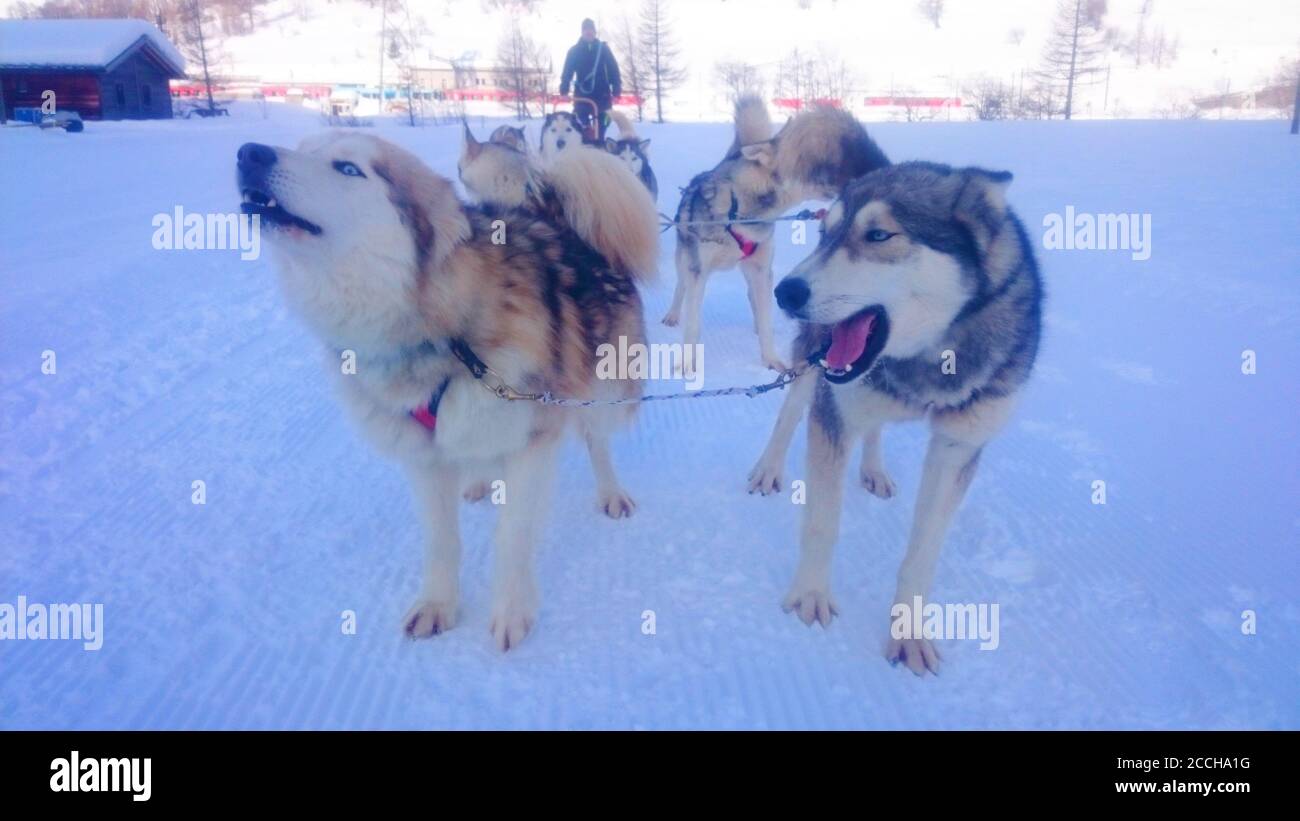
{"x": 671, "y": 319}
{"x": 878, "y": 483}
{"x": 616, "y": 503}
{"x": 511, "y": 621}
{"x": 765, "y": 478}
{"x": 429, "y": 618}
{"x": 917, "y": 655}
{"x": 811, "y": 603}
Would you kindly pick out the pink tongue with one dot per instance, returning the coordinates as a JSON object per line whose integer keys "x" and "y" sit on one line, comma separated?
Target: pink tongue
{"x": 849, "y": 340}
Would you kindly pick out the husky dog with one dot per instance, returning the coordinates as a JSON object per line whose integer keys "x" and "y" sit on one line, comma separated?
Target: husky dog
{"x": 498, "y": 174}
{"x": 922, "y": 299}
{"x": 501, "y": 177}
{"x": 634, "y": 151}
{"x": 560, "y": 130}
{"x": 509, "y": 135}
{"x": 813, "y": 157}
{"x": 381, "y": 259}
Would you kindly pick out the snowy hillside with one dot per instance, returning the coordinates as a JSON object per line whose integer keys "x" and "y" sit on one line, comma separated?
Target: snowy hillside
{"x": 184, "y": 365}
{"x": 889, "y": 46}
{"x": 1215, "y": 45}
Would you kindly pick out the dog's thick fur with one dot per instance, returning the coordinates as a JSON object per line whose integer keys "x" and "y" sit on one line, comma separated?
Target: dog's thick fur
{"x": 814, "y": 156}
{"x": 944, "y": 267}
{"x": 381, "y": 259}
{"x": 509, "y": 135}
{"x": 502, "y": 177}
{"x": 573, "y": 186}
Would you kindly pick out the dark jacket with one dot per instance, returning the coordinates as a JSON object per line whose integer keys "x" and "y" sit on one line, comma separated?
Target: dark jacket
{"x": 578, "y": 66}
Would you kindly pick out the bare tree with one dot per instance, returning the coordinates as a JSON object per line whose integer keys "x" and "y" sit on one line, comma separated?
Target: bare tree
{"x": 931, "y": 10}
{"x": 795, "y": 77}
{"x": 632, "y": 63}
{"x": 522, "y": 62}
{"x": 407, "y": 36}
{"x": 831, "y": 79}
{"x": 811, "y": 78}
{"x": 1147, "y": 44}
{"x": 992, "y": 99}
{"x": 196, "y": 40}
{"x": 662, "y": 56}
{"x": 738, "y": 79}
{"x": 1074, "y": 49}
{"x": 1139, "y": 42}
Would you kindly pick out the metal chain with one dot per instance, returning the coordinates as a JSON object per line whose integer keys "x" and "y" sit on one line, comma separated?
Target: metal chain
{"x": 498, "y": 387}
{"x": 805, "y": 215}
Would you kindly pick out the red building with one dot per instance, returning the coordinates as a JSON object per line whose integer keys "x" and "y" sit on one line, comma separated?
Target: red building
{"x": 101, "y": 69}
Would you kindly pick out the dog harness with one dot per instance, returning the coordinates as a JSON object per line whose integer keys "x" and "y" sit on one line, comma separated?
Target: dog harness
{"x": 427, "y": 415}
{"x": 747, "y": 246}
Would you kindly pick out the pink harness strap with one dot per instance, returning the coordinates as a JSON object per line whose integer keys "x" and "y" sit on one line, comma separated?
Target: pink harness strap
{"x": 747, "y": 246}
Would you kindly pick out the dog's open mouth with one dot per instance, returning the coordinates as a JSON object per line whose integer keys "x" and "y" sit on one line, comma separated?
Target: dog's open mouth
{"x": 273, "y": 213}
{"x": 855, "y": 344}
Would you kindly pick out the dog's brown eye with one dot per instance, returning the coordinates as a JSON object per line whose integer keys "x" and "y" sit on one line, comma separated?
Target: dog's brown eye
{"x": 878, "y": 235}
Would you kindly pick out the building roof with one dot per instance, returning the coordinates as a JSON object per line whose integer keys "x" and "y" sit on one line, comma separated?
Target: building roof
{"x": 83, "y": 44}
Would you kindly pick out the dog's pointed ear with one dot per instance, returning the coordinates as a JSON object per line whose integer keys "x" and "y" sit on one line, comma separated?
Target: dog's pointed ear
{"x": 611, "y": 145}
{"x": 762, "y": 153}
{"x": 472, "y": 146}
{"x": 981, "y": 203}
{"x": 644, "y": 145}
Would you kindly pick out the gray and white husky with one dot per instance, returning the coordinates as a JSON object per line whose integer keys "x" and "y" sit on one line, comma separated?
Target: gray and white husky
{"x": 633, "y": 151}
{"x": 922, "y": 299}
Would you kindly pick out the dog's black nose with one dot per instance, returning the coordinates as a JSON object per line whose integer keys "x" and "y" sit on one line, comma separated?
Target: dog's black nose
{"x": 559, "y": 143}
{"x": 256, "y": 154}
{"x": 792, "y": 294}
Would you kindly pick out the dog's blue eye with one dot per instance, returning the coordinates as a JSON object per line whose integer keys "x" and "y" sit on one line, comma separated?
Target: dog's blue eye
{"x": 347, "y": 169}
{"x": 878, "y": 235}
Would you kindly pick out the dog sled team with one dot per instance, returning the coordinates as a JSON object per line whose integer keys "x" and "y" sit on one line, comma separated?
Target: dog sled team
{"x": 917, "y": 264}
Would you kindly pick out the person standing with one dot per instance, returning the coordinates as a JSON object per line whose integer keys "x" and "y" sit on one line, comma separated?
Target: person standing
{"x": 592, "y": 67}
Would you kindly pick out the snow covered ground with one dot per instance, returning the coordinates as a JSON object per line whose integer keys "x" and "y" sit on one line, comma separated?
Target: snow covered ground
{"x": 174, "y": 366}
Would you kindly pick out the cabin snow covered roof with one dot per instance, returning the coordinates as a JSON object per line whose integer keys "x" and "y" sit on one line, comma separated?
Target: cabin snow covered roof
{"x": 83, "y": 44}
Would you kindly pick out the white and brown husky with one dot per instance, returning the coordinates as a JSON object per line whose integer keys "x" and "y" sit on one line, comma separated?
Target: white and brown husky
{"x": 383, "y": 261}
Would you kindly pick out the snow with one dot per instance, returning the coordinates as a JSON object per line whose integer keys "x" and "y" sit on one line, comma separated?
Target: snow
{"x": 174, "y": 366}
{"x": 77, "y": 43}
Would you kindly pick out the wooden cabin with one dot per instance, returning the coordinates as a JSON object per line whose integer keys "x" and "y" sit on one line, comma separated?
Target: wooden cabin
{"x": 114, "y": 69}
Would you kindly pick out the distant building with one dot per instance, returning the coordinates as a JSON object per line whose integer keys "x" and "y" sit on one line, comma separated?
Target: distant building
{"x": 1276, "y": 96}
{"x": 101, "y": 69}
{"x": 477, "y": 82}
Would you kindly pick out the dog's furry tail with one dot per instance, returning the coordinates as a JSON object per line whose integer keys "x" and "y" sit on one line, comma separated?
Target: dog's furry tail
{"x": 625, "y": 129}
{"x": 606, "y": 205}
{"x": 823, "y": 148}
{"x": 753, "y": 123}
